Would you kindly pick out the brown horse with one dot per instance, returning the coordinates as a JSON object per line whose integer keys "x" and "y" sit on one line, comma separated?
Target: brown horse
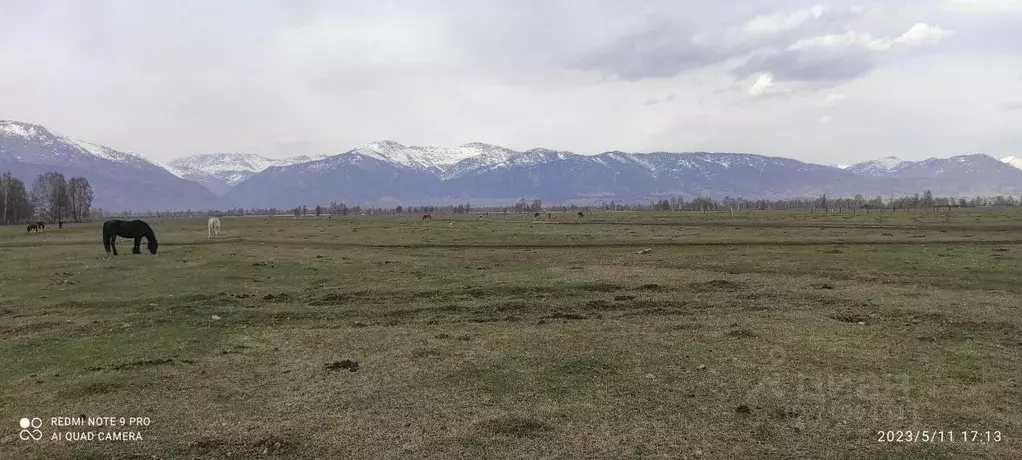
{"x": 32, "y": 227}
{"x": 580, "y": 215}
{"x": 41, "y": 225}
{"x": 537, "y": 215}
{"x": 427, "y": 216}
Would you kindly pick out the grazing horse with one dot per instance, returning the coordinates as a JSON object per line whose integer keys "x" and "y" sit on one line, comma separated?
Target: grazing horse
{"x": 136, "y": 229}
{"x": 32, "y": 227}
{"x": 536, "y": 216}
{"x": 60, "y": 224}
{"x": 214, "y": 227}
{"x": 41, "y": 224}
{"x": 427, "y": 216}
{"x": 580, "y": 215}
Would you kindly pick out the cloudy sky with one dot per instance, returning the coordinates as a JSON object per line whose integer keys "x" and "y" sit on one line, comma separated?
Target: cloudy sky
{"x": 829, "y": 82}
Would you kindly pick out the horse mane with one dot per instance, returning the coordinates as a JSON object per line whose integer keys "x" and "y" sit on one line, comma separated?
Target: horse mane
{"x": 147, "y": 231}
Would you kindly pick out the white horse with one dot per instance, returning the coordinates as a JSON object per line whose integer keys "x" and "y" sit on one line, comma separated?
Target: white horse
{"x": 214, "y": 227}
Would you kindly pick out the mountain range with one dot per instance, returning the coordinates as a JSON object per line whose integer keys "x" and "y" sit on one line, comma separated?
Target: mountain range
{"x": 218, "y": 172}
{"x": 120, "y": 181}
{"x": 387, "y": 173}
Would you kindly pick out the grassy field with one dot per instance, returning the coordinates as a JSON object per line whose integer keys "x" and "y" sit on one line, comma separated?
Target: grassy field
{"x": 767, "y": 335}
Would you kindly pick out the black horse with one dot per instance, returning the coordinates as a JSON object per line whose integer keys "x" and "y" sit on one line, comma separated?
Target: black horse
{"x": 128, "y": 229}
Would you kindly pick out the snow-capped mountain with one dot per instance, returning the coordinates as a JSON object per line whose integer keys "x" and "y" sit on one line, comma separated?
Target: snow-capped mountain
{"x": 881, "y": 167}
{"x": 1013, "y": 160}
{"x": 975, "y": 174}
{"x": 218, "y": 172}
{"x": 120, "y": 181}
{"x": 441, "y": 160}
{"x": 388, "y": 173}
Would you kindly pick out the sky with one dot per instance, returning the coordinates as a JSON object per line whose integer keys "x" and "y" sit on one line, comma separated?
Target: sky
{"x": 829, "y": 82}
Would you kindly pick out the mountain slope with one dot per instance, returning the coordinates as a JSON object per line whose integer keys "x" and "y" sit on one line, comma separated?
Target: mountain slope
{"x": 121, "y": 181}
{"x": 388, "y": 173}
{"x": 1013, "y": 160}
{"x": 218, "y": 172}
{"x": 975, "y": 174}
{"x": 882, "y": 167}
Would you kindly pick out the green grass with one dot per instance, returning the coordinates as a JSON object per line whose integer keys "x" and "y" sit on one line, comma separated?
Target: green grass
{"x": 762, "y": 335}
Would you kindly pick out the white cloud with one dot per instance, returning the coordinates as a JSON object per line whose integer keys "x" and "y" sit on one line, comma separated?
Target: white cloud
{"x": 762, "y": 84}
{"x": 826, "y": 119}
{"x": 921, "y": 35}
{"x": 322, "y": 76}
{"x": 777, "y": 23}
{"x": 834, "y": 98}
{"x": 983, "y": 6}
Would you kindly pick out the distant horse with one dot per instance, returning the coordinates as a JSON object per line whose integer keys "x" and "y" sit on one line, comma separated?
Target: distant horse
{"x": 41, "y": 224}
{"x": 580, "y": 215}
{"x": 537, "y": 215}
{"x": 33, "y": 227}
{"x": 136, "y": 229}
{"x": 427, "y": 216}
{"x": 548, "y": 215}
{"x": 214, "y": 227}
{"x": 60, "y": 224}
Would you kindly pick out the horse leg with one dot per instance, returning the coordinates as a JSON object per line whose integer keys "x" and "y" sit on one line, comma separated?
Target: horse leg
{"x": 134, "y": 249}
{"x": 112, "y": 246}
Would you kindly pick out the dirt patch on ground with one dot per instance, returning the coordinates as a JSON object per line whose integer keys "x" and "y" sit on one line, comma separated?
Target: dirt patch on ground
{"x": 282, "y": 297}
{"x": 142, "y": 363}
{"x": 741, "y": 334}
{"x": 520, "y": 427}
{"x": 339, "y": 298}
{"x": 566, "y": 315}
{"x": 347, "y": 364}
{"x": 31, "y": 328}
{"x": 718, "y": 286}
{"x": 271, "y": 445}
{"x": 600, "y": 287}
{"x": 851, "y": 317}
{"x": 624, "y": 297}
{"x": 822, "y": 286}
{"x": 658, "y": 311}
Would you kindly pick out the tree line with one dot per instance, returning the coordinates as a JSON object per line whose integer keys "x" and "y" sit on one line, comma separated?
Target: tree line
{"x": 52, "y": 197}
{"x": 923, "y": 201}
{"x": 823, "y": 203}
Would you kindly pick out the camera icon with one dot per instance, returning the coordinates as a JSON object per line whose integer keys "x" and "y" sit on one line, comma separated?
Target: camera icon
{"x": 30, "y": 429}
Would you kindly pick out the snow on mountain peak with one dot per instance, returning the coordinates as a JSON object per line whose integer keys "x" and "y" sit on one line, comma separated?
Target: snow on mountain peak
{"x": 888, "y": 162}
{"x": 11, "y": 129}
{"x": 429, "y": 157}
{"x": 1013, "y": 161}
{"x": 212, "y": 163}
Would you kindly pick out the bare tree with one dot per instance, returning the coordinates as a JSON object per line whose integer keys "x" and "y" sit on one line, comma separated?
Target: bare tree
{"x": 49, "y": 195}
{"x": 5, "y": 195}
{"x": 15, "y": 205}
{"x": 80, "y": 195}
